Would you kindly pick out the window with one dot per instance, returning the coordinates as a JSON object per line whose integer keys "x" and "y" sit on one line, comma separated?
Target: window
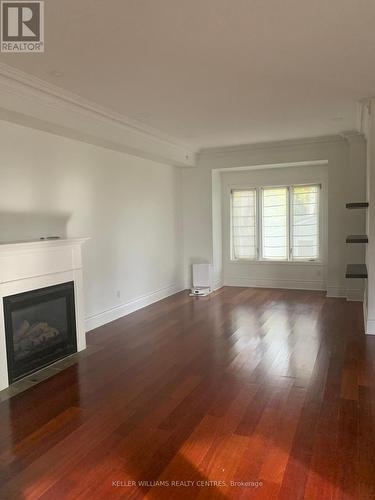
{"x": 244, "y": 225}
{"x": 305, "y": 222}
{"x": 275, "y": 223}
{"x": 283, "y": 219}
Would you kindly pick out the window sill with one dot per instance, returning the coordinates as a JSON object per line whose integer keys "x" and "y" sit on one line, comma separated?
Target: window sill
{"x": 280, "y": 262}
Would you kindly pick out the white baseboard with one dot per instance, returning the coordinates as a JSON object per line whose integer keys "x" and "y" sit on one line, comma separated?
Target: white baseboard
{"x": 350, "y": 294}
{"x": 117, "y": 312}
{"x": 336, "y": 292}
{"x": 217, "y": 284}
{"x": 290, "y": 284}
{"x": 370, "y": 327}
{"x": 354, "y": 295}
{"x": 365, "y": 314}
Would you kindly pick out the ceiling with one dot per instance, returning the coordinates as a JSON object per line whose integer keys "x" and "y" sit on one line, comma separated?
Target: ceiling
{"x": 214, "y": 72}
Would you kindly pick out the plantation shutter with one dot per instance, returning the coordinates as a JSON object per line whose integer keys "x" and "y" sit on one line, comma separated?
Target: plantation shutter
{"x": 244, "y": 244}
{"x": 275, "y": 223}
{"x": 305, "y": 222}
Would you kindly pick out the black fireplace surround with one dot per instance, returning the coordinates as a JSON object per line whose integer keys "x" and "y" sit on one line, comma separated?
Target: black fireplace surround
{"x": 40, "y": 328}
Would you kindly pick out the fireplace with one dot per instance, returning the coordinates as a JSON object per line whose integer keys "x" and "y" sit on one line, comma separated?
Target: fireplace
{"x": 40, "y": 328}
{"x": 33, "y": 273}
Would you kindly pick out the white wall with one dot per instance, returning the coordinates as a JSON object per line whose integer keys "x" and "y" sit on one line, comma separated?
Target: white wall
{"x": 129, "y": 206}
{"x": 217, "y": 229}
{"x": 356, "y": 219}
{"x": 342, "y": 168}
{"x": 300, "y": 275}
{"x": 370, "y": 223}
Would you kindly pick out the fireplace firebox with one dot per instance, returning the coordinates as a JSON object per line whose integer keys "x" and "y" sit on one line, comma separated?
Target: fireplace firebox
{"x": 40, "y": 328}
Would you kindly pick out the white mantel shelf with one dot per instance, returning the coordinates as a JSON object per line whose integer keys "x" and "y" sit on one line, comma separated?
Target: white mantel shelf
{"x": 31, "y": 265}
{"x": 20, "y": 245}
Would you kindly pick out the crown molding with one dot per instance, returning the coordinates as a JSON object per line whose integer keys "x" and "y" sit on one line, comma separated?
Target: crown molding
{"x": 364, "y": 108}
{"x": 353, "y": 136}
{"x": 305, "y": 141}
{"x": 33, "y": 102}
{"x": 268, "y": 166}
{"x": 42, "y": 88}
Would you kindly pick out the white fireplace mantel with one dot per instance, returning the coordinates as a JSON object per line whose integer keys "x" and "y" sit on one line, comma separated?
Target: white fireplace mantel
{"x": 26, "y": 266}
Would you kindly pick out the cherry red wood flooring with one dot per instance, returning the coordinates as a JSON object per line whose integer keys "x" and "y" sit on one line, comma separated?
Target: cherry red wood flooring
{"x": 249, "y": 393}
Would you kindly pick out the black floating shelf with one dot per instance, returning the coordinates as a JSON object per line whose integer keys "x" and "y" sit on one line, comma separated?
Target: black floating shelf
{"x": 357, "y": 238}
{"x": 356, "y": 271}
{"x": 361, "y": 204}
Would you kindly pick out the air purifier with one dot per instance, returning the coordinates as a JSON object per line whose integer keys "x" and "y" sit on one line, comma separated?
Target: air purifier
{"x": 202, "y": 280}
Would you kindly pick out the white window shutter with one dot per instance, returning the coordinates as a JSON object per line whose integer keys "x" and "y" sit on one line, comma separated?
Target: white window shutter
{"x": 244, "y": 240}
{"x": 305, "y": 222}
{"x": 275, "y": 223}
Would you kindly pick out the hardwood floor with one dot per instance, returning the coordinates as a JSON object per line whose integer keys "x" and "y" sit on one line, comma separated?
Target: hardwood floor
{"x": 270, "y": 387}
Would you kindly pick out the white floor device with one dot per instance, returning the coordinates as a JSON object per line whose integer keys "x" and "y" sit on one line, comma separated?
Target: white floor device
{"x": 202, "y": 280}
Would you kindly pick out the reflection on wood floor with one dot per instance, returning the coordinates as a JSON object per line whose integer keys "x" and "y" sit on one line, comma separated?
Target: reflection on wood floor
{"x": 248, "y": 393}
